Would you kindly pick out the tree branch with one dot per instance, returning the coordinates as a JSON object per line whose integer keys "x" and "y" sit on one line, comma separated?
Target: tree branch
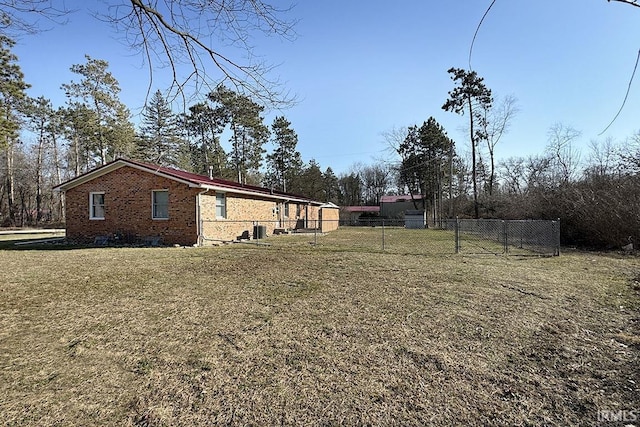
{"x": 635, "y": 3}
{"x": 231, "y": 20}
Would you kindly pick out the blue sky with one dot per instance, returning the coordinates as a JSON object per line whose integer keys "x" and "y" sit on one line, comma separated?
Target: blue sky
{"x": 360, "y": 68}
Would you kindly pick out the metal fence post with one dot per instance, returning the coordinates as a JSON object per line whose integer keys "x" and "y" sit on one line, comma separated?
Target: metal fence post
{"x": 457, "y": 235}
{"x": 383, "y": 235}
{"x": 505, "y": 232}
{"x": 315, "y": 234}
{"x": 556, "y": 229}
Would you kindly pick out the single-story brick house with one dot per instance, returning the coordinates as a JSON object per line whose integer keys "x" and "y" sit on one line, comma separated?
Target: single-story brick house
{"x": 134, "y": 199}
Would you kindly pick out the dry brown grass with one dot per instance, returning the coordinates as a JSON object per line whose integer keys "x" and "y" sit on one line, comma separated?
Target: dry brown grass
{"x": 242, "y": 335}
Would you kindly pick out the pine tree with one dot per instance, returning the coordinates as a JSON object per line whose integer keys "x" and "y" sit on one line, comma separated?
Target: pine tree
{"x": 284, "y": 164}
{"x": 473, "y": 97}
{"x": 80, "y": 125}
{"x": 248, "y": 132}
{"x": 331, "y": 188}
{"x": 98, "y": 91}
{"x": 311, "y": 182}
{"x": 12, "y": 98}
{"x": 426, "y": 152}
{"x": 204, "y": 125}
{"x": 159, "y": 141}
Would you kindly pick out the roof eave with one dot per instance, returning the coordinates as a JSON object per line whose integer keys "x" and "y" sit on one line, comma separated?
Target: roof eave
{"x": 287, "y": 198}
{"x": 115, "y": 165}
{"x": 119, "y": 163}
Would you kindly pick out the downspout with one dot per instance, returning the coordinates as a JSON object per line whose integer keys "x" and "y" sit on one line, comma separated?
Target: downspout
{"x": 199, "y": 224}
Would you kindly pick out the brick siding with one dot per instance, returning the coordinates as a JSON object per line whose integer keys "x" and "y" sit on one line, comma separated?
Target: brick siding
{"x": 127, "y": 198}
{"x": 128, "y": 211}
{"x": 244, "y": 211}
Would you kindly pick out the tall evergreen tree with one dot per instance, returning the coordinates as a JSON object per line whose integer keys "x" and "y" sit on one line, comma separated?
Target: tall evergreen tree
{"x": 204, "y": 125}
{"x": 120, "y": 134}
{"x": 331, "y": 187}
{"x": 284, "y": 164}
{"x": 12, "y": 98}
{"x": 98, "y": 90}
{"x": 248, "y": 132}
{"x": 426, "y": 152}
{"x": 471, "y": 96}
{"x": 80, "y": 125}
{"x": 160, "y": 138}
{"x": 311, "y": 182}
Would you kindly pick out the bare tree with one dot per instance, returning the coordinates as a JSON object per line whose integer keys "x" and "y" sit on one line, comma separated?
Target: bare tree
{"x": 513, "y": 176}
{"x": 376, "y": 180}
{"x": 602, "y": 159}
{"x": 565, "y": 158}
{"x": 394, "y": 137}
{"x": 496, "y": 124}
{"x": 630, "y": 154}
{"x": 25, "y": 16}
{"x": 201, "y": 42}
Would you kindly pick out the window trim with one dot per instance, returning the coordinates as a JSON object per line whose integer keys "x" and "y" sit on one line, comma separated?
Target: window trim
{"x": 224, "y": 205}
{"x": 92, "y": 206}
{"x": 153, "y": 204}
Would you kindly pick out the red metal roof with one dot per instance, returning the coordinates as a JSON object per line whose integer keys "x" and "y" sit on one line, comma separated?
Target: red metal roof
{"x": 188, "y": 177}
{"x": 402, "y": 198}
{"x": 362, "y": 208}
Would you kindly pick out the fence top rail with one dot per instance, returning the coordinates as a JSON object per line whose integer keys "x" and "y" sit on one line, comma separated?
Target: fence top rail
{"x": 502, "y": 220}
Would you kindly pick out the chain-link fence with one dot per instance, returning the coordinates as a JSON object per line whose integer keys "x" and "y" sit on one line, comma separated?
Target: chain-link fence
{"x": 515, "y": 237}
{"x": 466, "y": 236}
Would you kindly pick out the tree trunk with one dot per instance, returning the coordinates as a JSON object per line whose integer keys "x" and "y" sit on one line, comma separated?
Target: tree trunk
{"x": 39, "y": 156}
{"x": 56, "y": 163}
{"x": 492, "y": 172}
{"x": 476, "y": 209}
{"x": 10, "y": 182}
{"x": 76, "y": 154}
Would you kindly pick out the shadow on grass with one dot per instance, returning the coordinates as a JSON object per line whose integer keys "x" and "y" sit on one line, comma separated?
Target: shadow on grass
{"x": 40, "y": 244}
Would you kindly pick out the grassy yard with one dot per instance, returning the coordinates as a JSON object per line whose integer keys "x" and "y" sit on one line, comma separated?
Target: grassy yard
{"x": 297, "y": 334}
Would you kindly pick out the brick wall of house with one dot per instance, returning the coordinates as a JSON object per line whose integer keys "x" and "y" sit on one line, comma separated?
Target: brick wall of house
{"x": 128, "y": 208}
{"x": 243, "y": 212}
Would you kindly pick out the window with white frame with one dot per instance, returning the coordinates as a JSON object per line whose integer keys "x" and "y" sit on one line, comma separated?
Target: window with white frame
{"x": 96, "y": 205}
{"x": 221, "y": 205}
{"x": 160, "y": 204}
{"x": 286, "y": 210}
